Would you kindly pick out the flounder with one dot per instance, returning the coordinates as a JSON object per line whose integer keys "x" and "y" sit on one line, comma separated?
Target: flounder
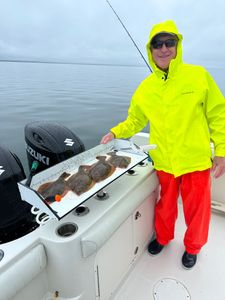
{"x": 101, "y": 169}
{"x": 50, "y": 189}
{"x": 119, "y": 161}
{"x": 80, "y": 182}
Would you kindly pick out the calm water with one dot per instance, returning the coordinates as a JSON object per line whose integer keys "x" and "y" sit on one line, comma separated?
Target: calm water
{"x": 87, "y": 99}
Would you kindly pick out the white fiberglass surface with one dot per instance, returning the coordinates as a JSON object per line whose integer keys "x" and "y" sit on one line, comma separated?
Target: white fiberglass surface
{"x": 206, "y": 281}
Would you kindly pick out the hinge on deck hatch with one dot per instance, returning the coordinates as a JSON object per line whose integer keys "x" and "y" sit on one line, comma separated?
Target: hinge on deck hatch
{"x": 97, "y": 284}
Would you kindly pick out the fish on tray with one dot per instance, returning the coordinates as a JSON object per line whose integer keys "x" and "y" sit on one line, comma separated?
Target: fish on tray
{"x": 53, "y": 190}
{"x": 101, "y": 169}
{"x": 81, "y": 181}
{"x": 119, "y": 161}
{"x": 84, "y": 179}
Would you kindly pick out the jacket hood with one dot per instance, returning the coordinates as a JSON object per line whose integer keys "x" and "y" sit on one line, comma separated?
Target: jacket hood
{"x": 165, "y": 27}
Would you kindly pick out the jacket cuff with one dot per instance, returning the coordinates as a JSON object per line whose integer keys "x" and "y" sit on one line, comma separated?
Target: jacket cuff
{"x": 113, "y": 133}
{"x": 219, "y": 152}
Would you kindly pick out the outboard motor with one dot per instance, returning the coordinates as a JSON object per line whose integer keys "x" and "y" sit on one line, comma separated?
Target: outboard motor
{"x": 50, "y": 143}
{"x": 16, "y": 219}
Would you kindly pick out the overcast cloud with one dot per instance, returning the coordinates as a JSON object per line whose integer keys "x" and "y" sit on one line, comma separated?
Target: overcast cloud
{"x": 88, "y": 31}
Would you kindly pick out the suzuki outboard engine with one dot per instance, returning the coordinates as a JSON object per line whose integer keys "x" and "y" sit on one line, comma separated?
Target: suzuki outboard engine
{"x": 16, "y": 219}
{"x": 50, "y": 143}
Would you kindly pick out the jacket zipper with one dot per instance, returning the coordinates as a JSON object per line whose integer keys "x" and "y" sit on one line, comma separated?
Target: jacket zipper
{"x": 165, "y": 76}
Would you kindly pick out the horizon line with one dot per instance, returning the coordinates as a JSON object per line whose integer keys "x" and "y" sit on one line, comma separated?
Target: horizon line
{"x": 69, "y": 63}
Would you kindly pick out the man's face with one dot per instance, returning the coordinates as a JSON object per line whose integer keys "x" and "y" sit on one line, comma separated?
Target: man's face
{"x": 163, "y": 53}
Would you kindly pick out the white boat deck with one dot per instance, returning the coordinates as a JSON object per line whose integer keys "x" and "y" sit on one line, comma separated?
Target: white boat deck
{"x": 163, "y": 278}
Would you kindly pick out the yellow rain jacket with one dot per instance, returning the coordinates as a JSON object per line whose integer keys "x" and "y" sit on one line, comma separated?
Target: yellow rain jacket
{"x": 185, "y": 109}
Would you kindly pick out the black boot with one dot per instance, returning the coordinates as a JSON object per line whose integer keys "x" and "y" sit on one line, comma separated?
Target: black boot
{"x": 155, "y": 247}
{"x": 189, "y": 260}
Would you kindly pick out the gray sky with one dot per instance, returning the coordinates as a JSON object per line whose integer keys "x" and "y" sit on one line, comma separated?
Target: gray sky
{"x": 88, "y": 31}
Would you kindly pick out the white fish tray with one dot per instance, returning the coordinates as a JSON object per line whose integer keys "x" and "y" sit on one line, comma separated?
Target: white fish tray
{"x": 70, "y": 201}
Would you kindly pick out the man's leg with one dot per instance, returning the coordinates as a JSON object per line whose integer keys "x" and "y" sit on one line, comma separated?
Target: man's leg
{"x": 166, "y": 207}
{"x": 196, "y": 194}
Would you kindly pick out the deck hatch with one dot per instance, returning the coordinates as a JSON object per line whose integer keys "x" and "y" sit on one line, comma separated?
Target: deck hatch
{"x": 170, "y": 289}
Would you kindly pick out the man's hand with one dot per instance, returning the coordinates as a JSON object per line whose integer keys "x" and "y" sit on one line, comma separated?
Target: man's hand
{"x": 218, "y": 166}
{"x": 107, "y": 138}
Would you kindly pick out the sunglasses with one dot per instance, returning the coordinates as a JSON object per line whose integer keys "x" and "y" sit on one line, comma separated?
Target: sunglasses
{"x": 158, "y": 44}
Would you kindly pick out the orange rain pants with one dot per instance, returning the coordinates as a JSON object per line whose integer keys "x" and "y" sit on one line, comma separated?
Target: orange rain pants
{"x": 195, "y": 193}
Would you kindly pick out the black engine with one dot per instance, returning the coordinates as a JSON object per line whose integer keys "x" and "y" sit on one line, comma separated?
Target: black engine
{"x": 46, "y": 142}
{"x": 16, "y": 219}
{"x": 50, "y": 143}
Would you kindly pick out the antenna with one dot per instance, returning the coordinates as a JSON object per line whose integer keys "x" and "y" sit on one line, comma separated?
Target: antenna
{"x": 129, "y": 35}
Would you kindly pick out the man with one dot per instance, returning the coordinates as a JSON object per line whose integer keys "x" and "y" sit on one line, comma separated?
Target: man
{"x": 186, "y": 111}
